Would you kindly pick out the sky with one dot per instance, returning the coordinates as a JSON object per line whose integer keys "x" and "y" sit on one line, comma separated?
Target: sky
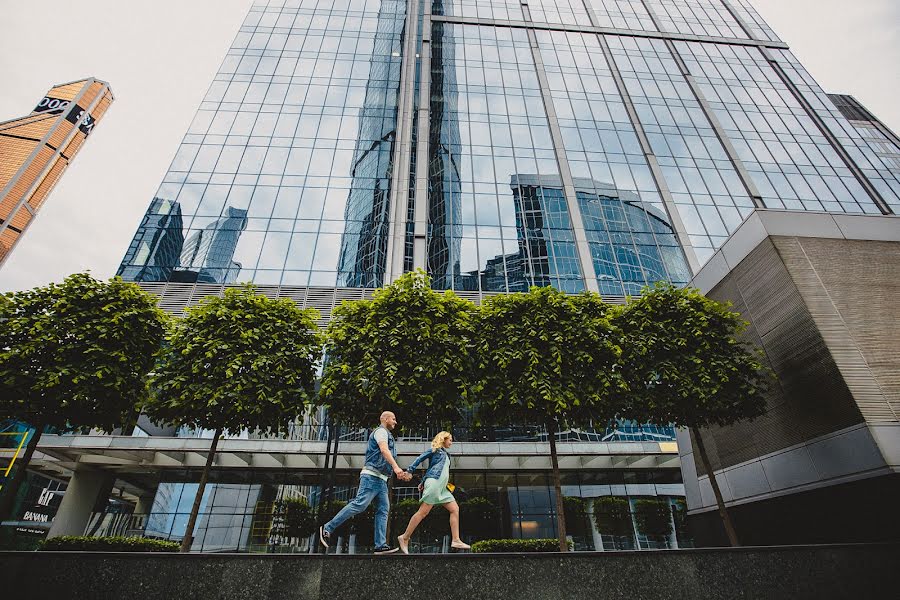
{"x": 160, "y": 56}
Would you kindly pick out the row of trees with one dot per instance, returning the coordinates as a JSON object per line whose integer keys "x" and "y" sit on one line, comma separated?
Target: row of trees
{"x": 91, "y": 354}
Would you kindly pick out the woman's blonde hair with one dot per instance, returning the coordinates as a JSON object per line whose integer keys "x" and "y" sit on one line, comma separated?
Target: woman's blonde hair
{"x": 438, "y": 441}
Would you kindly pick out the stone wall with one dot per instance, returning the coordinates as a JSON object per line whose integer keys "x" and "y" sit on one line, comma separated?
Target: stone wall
{"x": 797, "y": 573}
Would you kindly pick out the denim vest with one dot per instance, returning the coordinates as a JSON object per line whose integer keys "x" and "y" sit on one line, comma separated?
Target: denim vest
{"x": 375, "y": 460}
{"x": 436, "y": 459}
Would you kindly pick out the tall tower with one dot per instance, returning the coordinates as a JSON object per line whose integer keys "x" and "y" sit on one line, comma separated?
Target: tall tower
{"x": 36, "y": 149}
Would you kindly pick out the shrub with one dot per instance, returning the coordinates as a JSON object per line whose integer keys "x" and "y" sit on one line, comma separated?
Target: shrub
{"x": 327, "y": 511}
{"x": 652, "y": 517}
{"x": 433, "y": 527}
{"x": 479, "y": 517}
{"x": 535, "y": 545}
{"x": 84, "y": 543}
{"x": 298, "y": 518}
{"x": 612, "y": 515}
{"x": 576, "y": 518}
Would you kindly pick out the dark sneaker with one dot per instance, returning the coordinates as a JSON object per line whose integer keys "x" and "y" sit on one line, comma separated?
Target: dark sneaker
{"x": 324, "y": 536}
{"x": 385, "y": 550}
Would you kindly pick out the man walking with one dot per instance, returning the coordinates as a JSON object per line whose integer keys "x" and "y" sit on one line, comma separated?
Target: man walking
{"x": 381, "y": 461}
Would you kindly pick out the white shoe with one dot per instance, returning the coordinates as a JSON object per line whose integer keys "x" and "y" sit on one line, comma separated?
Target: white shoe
{"x": 460, "y": 545}
{"x": 404, "y": 544}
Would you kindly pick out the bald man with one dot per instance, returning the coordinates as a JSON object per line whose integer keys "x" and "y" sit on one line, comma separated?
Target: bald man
{"x": 381, "y": 461}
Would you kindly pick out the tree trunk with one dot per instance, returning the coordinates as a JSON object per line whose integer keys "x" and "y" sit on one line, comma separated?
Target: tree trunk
{"x": 557, "y": 485}
{"x": 195, "y": 509}
{"x": 11, "y": 489}
{"x": 723, "y": 512}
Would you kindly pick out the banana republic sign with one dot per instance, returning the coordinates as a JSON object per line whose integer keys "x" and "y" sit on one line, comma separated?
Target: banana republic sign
{"x": 56, "y": 106}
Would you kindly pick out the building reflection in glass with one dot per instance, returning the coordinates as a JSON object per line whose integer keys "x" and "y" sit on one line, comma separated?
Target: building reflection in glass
{"x": 159, "y": 251}
{"x": 207, "y": 256}
{"x": 156, "y": 248}
{"x": 632, "y": 243}
{"x": 444, "y": 177}
{"x": 367, "y": 216}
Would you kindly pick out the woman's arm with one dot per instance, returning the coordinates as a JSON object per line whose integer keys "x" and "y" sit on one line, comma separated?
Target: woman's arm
{"x": 418, "y": 461}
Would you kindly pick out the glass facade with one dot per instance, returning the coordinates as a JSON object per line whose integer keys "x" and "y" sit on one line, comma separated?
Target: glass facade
{"x": 240, "y": 511}
{"x": 542, "y": 118}
{"x": 284, "y": 176}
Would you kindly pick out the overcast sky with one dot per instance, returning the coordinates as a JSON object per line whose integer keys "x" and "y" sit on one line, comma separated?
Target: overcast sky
{"x": 159, "y": 57}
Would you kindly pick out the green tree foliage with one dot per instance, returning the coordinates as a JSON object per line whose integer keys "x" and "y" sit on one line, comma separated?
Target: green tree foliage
{"x": 685, "y": 365}
{"x": 296, "y": 518}
{"x": 517, "y": 545}
{"x": 612, "y": 516}
{"x": 85, "y": 543}
{"x": 432, "y": 529}
{"x": 242, "y": 361}
{"x": 408, "y": 349}
{"x": 75, "y": 354}
{"x": 653, "y": 517}
{"x": 684, "y": 361}
{"x": 479, "y": 517}
{"x": 577, "y": 524}
{"x": 547, "y": 358}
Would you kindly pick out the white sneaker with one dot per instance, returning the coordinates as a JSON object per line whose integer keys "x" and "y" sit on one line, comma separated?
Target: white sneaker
{"x": 460, "y": 545}
{"x": 404, "y": 544}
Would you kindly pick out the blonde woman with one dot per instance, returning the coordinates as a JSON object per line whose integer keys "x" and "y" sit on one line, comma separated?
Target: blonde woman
{"x": 434, "y": 491}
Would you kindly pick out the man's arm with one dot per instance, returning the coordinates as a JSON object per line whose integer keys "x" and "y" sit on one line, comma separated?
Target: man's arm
{"x": 386, "y": 453}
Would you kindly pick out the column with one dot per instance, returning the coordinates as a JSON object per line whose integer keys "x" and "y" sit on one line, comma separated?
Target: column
{"x": 78, "y": 502}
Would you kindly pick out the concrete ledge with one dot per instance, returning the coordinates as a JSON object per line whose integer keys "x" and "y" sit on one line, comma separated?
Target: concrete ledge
{"x": 795, "y": 572}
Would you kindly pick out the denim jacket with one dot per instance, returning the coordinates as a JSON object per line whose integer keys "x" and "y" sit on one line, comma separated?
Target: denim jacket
{"x": 436, "y": 460}
{"x": 375, "y": 460}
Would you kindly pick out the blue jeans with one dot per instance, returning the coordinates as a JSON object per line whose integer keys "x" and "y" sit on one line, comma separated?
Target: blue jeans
{"x": 370, "y": 488}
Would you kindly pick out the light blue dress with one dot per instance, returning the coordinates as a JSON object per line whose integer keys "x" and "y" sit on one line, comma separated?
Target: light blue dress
{"x": 435, "y": 490}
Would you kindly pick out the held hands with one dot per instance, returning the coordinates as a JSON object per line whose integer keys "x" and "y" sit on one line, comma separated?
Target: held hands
{"x": 402, "y": 475}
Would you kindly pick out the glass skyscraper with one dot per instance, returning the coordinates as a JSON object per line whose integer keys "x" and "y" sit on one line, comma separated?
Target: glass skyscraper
{"x": 596, "y": 144}
{"x": 585, "y": 144}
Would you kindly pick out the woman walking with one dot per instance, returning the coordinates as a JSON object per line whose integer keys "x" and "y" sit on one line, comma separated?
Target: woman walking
{"x": 435, "y": 491}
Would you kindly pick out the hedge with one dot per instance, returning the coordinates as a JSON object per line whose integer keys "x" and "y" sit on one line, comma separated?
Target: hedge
{"x": 84, "y": 543}
{"x": 535, "y": 545}
{"x": 652, "y": 517}
{"x": 612, "y": 515}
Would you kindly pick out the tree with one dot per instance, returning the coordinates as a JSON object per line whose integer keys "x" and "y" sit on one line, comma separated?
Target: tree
{"x": 408, "y": 349}
{"x": 612, "y": 516}
{"x": 75, "y": 355}
{"x": 685, "y": 365}
{"x": 294, "y": 518}
{"x": 653, "y": 516}
{"x": 242, "y": 361}
{"x": 547, "y": 358}
{"x": 481, "y": 517}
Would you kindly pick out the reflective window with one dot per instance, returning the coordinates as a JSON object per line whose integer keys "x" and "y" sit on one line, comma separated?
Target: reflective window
{"x": 704, "y": 184}
{"x": 759, "y": 29}
{"x": 498, "y": 220}
{"x": 623, "y": 14}
{"x": 788, "y": 157}
{"x": 698, "y": 17}
{"x": 873, "y": 153}
{"x": 245, "y": 511}
{"x": 285, "y": 173}
{"x": 618, "y": 196}
{"x": 502, "y": 10}
{"x": 569, "y": 12}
